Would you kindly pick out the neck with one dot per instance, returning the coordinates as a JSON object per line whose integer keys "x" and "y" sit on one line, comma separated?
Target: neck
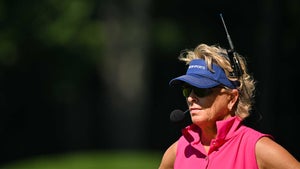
{"x": 208, "y": 134}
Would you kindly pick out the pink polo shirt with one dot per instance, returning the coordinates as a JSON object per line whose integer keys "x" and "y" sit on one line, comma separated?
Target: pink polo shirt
{"x": 233, "y": 147}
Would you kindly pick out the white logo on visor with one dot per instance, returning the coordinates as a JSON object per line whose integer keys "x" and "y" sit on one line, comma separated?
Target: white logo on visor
{"x": 197, "y": 67}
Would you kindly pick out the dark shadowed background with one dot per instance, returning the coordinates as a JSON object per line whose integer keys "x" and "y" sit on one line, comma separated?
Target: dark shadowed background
{"x": 86, "y": 75}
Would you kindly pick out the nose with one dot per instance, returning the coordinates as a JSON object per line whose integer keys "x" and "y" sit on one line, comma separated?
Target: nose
{"x": 192, "y": 97}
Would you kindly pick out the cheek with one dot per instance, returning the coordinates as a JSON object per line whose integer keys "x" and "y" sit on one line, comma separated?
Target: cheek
{"x": 221, "y": 106}
{"x": 208, "y": 102}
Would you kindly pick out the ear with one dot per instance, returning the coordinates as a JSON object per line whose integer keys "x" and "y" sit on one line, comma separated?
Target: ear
{"x": 234, "y": 95}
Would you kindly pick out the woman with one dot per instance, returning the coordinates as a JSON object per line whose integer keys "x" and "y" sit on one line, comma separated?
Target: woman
{"x": 219, "y": 93}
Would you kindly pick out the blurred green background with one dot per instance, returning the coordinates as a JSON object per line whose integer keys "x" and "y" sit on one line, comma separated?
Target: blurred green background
{"x": 84, "y": 83}
{"x": 90, "y": 160}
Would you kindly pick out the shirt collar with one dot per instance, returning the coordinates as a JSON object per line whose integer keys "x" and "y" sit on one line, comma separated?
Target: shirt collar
{"x": 225, "y": 130}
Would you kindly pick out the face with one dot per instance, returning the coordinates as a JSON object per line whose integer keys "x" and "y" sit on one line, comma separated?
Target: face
{"x": 210, "y": 105}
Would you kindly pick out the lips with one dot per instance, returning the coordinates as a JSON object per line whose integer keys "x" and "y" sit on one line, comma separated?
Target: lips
{"x": 194, "y": 110}
{"x": 191, "y": 109}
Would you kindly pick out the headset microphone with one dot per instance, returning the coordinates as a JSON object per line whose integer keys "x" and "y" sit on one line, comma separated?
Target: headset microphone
{"x": 178, "y": 115}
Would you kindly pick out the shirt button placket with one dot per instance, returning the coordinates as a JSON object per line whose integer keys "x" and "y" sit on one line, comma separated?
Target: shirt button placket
{"x": 206, "y": 161}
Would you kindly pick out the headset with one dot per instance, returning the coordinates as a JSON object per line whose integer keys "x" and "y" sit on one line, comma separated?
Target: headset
{"x": 179, "y": 116}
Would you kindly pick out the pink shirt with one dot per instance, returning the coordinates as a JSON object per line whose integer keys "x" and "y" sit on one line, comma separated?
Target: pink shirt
{"x": 233, "y": 147}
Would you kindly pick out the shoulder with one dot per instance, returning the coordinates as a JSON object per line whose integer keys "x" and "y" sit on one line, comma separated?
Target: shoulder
{"x": 250, "y": 135}
{"x": 169, "y": 156}
{"x": 270, "y": 154}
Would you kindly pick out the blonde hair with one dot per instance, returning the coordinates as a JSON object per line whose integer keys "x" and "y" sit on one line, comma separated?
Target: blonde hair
{"x": 217, "y": 55}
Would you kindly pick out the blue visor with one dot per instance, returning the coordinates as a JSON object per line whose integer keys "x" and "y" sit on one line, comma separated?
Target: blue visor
{"x": 200, "y": 76}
